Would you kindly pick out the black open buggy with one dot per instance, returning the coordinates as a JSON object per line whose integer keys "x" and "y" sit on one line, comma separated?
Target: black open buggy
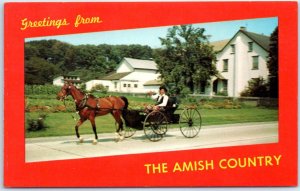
{"x": 155, "y": 123}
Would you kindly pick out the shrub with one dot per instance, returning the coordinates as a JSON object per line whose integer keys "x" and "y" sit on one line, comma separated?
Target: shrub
{"x": 257, "y": 87}
{"x": 37, "y": 124}
{"x": 99, "y": 88}
{"x": 185, "y": 91}
{"x": 222, "y": 93}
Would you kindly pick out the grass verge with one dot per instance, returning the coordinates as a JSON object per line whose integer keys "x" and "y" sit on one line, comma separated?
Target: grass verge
{"x": 62, "y": 123}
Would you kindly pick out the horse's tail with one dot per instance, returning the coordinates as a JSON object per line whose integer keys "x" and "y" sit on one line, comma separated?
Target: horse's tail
{"x": 125, "y": 109}
{"x": 126, "y": 102}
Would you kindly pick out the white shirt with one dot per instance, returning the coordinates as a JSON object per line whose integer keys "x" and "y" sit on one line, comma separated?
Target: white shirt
{"x": 165, "y": 100}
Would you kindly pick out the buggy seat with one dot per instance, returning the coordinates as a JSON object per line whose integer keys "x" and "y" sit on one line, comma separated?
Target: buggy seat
{"x": 170, "y": 109}
{"x": 172, "y": 105}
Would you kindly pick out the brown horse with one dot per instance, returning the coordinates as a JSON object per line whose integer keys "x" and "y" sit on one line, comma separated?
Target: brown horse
{"x": 89, "y": 107}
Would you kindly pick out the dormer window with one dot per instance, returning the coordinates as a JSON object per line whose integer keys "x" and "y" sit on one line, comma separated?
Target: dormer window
{"x": 250, "y": 46}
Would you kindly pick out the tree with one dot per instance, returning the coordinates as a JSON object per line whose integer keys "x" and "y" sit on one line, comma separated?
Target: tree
{"x": 273, "y": 64}
{"x": 186, "y": 58}
{"x": 39, "y": 71}
{"x": 87, "y": 61}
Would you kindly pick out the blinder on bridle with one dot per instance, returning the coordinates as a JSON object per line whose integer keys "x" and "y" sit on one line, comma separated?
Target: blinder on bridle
{"x": 64, "y": 92}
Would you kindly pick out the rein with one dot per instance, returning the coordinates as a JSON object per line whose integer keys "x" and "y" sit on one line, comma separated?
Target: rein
{"x": 64, "y": 101}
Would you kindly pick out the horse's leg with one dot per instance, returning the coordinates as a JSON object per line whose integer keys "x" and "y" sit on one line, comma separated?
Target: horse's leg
{"x": 92, "y": 120}
{"x": 76, "y": 129}
{"x": 117, "y": 115}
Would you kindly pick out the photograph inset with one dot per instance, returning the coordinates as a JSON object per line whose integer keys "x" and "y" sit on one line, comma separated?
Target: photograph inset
{"x": 183, "y": 87}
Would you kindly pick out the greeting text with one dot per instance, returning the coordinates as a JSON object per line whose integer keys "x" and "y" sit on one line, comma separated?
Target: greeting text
{"x": 58, "y": 23}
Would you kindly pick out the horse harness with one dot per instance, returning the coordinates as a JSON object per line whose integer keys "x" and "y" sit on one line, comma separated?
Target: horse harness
{"x": 83, "y": 104}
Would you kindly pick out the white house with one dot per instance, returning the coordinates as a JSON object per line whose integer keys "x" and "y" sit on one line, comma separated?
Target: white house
{"x": 131, "y": 76}
{"x": 239, "y": 59}
{"x": 60, "y": 80}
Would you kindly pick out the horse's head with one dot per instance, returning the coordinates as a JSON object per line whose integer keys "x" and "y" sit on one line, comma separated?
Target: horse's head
{"x": 64, "y": 91}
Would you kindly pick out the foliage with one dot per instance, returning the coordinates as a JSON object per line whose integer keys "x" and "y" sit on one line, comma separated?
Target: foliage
{"x": 99, "y": 88}
{"x": 45, "y": 59}
{"x": 257, "y": 87}
{"x": 36, "y": 124}
{"x": 273, "y": 64}
{"x": 187, "y": 58}
{"x": 39, "y": 71}
{"x": 41, "y": 89}
{"x": 222, "y": 93}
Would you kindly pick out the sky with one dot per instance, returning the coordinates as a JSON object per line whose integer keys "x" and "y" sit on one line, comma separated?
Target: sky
{"x": 150, "y": 36}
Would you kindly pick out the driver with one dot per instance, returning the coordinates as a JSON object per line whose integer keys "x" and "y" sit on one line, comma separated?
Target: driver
{"x": 161, "y": 98}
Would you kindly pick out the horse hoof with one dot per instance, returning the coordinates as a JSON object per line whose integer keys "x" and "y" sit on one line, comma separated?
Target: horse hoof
{"x": 80, "y": 140}
{"x": 95, "y": 142}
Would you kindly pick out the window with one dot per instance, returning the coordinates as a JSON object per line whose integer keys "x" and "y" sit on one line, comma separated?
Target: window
{"x": 232, "y": 48}
{"x": 129, "y": 85}
{"x": 115, "y": 83}
{"x": 250, "y": 46}
{"x": 254, "y": 62}
{"x": 135, "y": 85}
{"x": 225, "y": 65}
{"x": 124, "y": 85}
{"x": 225, "y": 85}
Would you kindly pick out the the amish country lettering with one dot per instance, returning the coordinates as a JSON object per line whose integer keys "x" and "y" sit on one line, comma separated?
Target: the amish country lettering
{"x": 57, "y": 23}
{"x": 223, "y": 164}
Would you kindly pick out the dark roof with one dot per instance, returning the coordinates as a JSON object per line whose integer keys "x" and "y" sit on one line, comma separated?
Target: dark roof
{"x": 71, "y": 75}
{"x": 262, "y": 40}
{"x": 115, "y": 76}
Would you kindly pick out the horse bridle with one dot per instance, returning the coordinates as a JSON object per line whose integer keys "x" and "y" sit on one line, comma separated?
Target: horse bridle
{"x": 80, "y": 102}
{"x": 66, "y": 94}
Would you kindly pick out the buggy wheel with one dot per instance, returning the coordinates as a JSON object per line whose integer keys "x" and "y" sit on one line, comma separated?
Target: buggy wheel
{"x": 190, "y": 122}
{"x": 128, "y": 131}
{"x": 155, "y": 126}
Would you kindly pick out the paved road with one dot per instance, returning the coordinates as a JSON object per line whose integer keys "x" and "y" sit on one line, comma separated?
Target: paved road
{"x": 67, "y": 147}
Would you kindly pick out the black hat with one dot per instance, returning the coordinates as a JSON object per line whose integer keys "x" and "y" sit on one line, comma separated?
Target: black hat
{"x": 164, "y": 88}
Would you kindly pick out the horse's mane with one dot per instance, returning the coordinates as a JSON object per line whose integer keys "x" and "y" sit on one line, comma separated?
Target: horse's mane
{"x": 84, "y": 93}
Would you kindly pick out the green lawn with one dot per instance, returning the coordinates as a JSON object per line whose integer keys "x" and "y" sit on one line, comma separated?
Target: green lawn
{"x": 60, "y": 124}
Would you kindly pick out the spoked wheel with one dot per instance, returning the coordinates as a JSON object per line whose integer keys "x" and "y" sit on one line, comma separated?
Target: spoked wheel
{"x": 190, "y": 122}
{"x": 128, "y": 131}
{"x": 155, "y": 126}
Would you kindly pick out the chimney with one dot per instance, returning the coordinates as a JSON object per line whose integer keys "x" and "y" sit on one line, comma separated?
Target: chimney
{"x": 242, "y": 28}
